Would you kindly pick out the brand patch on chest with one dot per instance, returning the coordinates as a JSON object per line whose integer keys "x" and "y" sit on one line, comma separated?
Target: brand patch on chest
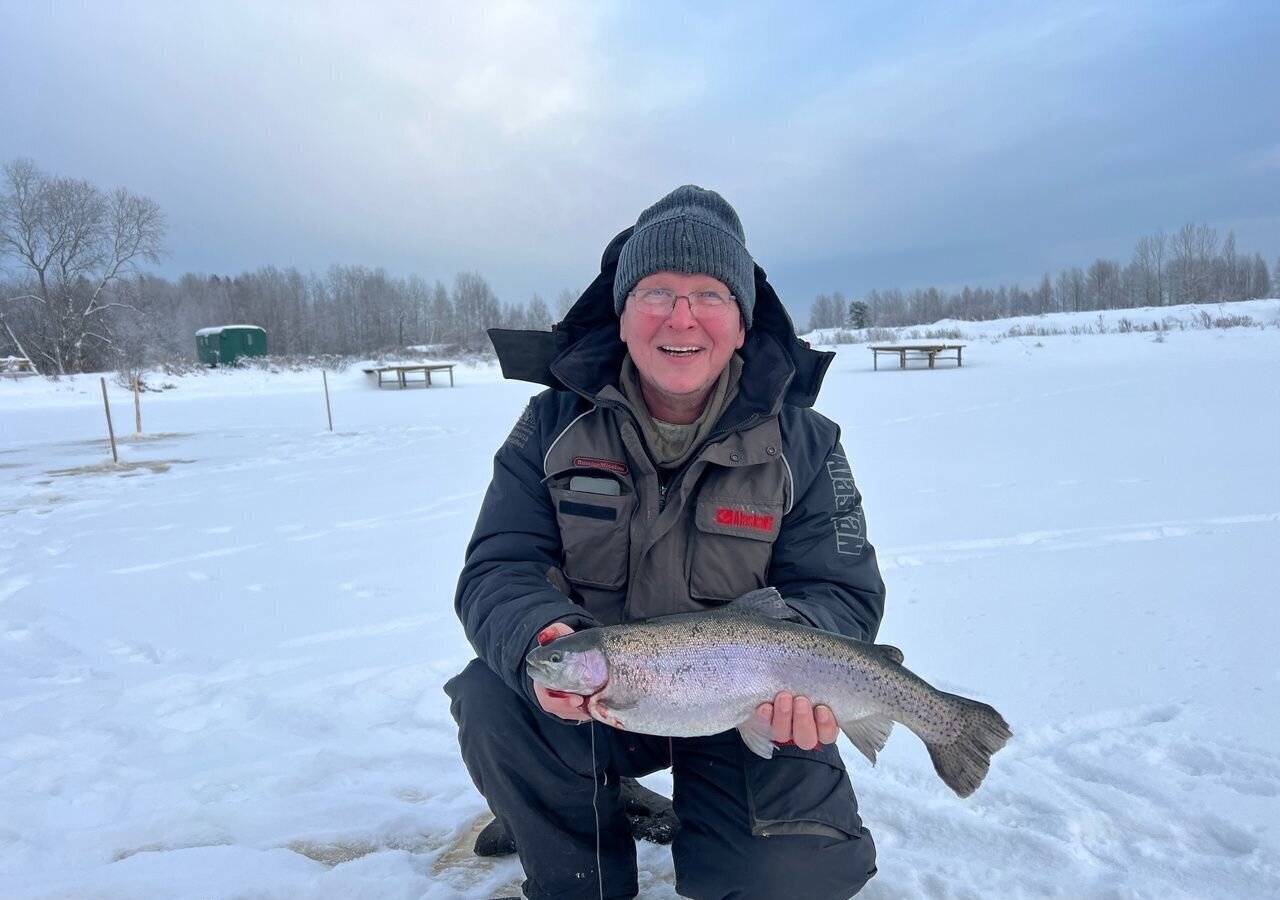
{"x": 752, "y": 520}
{"x": 592, "y": 462}
{"x": 741, "y": 518}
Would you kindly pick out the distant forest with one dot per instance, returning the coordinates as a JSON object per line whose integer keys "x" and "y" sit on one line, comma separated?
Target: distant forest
{"x": 1192, "y": 265}
{"x": 75, "y": 295}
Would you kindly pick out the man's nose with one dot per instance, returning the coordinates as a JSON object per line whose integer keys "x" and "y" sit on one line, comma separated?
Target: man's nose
{"x": 682, "y": 314}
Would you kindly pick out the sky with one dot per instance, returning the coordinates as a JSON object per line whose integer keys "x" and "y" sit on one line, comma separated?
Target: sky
{"x": 865, "y": 145}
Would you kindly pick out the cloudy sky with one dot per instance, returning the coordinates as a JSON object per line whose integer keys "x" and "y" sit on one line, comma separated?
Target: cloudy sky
{"x": 885, "y": 144}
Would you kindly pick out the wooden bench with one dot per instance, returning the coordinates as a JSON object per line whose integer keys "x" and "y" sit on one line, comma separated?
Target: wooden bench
{"x": 917, "y": 351}
{"x": 398, "y": 375}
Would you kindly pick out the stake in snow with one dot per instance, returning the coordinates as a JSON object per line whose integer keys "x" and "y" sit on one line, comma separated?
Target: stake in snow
{"x": 703, "y": 673}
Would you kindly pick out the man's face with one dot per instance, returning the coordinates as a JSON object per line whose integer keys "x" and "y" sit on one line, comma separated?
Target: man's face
{"x": 678, "y": 355}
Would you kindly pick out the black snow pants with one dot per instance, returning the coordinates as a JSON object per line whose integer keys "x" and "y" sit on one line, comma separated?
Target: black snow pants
{"x": 749, "y": 827}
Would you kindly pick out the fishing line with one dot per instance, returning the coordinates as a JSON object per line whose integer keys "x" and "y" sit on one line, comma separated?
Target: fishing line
{"x": 595, "y": 786}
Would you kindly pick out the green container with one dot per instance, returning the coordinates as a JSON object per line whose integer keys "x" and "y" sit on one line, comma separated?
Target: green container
{"x": 223, "y": 345}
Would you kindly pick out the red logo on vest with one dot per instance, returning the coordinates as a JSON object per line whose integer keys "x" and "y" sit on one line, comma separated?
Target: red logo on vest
{"x": 591, "y": 462}
{"x": 741, "y": 519}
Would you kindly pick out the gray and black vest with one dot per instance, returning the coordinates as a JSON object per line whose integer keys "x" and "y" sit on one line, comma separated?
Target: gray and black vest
{"x": 638, "y": 542}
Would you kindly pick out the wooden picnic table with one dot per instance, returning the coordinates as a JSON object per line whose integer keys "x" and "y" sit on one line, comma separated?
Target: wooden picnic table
{"x": 918, "y": 351}
{"x": 398, "y": 374}
{"x": 16, "y": 366}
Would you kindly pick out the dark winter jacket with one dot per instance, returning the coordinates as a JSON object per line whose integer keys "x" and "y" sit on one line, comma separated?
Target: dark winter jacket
{"x": 580, "y": 526}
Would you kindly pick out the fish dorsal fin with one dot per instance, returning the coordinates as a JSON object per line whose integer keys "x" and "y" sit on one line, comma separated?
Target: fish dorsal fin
{"x": 890, "y": 652}
{"x": 765, "y": 602}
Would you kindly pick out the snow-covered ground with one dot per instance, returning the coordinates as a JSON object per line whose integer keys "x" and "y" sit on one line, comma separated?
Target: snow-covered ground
{"x": 221, "y": 661}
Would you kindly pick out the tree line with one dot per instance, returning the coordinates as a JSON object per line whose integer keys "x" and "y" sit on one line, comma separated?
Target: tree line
{"x": 74, "y": 295}
{"x": 1192, "y": 265}
{"x": 348, "y": 311}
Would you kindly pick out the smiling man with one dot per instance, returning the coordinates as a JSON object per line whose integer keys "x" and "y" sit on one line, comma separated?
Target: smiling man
{"x": 674, "y": 464}
{"x": 680, "y": 350}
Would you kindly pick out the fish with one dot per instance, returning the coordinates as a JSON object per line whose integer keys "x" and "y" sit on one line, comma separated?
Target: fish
{"x": 703, "y": 673}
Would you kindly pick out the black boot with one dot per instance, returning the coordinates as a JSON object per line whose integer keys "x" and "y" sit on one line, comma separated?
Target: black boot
{"x": 650, "y": 814}
{"x": 493, "y": 840}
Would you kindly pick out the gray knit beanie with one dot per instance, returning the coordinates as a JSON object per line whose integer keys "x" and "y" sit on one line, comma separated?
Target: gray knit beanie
{"x": 694, "y": 231}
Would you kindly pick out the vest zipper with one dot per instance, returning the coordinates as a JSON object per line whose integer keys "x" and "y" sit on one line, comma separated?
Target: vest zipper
{"x": 665, "y": 485}
{"x": 746, "y": 423}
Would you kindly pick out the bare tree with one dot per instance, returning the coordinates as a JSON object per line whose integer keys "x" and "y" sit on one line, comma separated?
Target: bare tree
{"x": 822, "y": 312}
{"x": 1100, "y": 282}
{"x": 73, "y": 242}
{"x": 1227, "y": 275}
{"x": 1043, "y": 302}
{"x": 1149, "y": 256}
{"x": 1071, "y": 289}
{"x": 538, "y": 316}
{"x": 1191, "y": 271}
{"x": 475, "y": 308}
{"x": 1259, "y": 280}
{"x": 828, "y": 311}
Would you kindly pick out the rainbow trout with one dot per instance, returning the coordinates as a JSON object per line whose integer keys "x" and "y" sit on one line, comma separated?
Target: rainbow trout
{"x": 703, "y": 673}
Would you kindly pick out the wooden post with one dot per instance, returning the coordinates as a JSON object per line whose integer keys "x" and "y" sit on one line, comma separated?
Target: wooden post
{"x": 137, "y": 406}
{"x": 327, "y": 410}
{"x": 115, "y": 458}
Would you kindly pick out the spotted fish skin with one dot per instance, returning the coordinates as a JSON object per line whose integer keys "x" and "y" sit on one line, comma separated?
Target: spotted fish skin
{"x": 703, "y": 673}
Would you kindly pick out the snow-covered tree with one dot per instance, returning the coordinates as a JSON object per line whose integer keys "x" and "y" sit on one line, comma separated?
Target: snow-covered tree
{"x": 71, "y": 244}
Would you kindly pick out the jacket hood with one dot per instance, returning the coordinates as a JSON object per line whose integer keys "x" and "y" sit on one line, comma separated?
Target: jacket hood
{"x": 584, "y": 353}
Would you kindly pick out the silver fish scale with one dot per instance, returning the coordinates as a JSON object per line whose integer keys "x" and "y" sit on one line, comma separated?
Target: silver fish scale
{"x": 714, "y": 669}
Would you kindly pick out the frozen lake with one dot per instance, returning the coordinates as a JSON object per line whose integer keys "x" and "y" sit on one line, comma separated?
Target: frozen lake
{"x": 221, "y": 662}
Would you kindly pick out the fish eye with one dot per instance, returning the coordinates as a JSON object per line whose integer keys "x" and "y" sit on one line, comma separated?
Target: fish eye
{"x": 555, "y": 657}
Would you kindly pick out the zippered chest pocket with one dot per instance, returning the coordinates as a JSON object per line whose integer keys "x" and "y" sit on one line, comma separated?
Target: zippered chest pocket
{"x": 595, "y": 534}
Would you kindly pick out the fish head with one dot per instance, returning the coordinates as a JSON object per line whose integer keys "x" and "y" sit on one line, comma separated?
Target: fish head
{"x": 575, "y": 664}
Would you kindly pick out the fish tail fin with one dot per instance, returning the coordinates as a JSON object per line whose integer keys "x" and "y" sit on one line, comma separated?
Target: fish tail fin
{"x": 964, "y": 762}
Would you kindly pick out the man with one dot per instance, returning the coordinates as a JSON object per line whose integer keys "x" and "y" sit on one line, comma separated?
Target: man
{"x": 674, "y": 465}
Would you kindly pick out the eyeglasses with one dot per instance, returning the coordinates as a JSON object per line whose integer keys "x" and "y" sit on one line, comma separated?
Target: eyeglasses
{"x": 662, "y": 301}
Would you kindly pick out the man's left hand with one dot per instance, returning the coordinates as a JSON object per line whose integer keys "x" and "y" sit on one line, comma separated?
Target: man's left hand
{"x": 795, "y": 719}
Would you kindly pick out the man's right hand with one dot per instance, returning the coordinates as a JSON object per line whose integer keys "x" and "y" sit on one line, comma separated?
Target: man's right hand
{"x": 558, "y": 703}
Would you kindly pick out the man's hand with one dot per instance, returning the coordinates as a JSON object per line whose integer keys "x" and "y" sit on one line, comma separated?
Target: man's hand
{"x": 558, "y": 703}
{"x": 795, "y": 720}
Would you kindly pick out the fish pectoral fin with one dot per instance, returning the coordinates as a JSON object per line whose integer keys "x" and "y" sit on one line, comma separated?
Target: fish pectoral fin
{"x": 757, "y": 734}
{"x": 616, "y": 703}
{"x": 868, "y": 734}
{"x": 890, "y": 652}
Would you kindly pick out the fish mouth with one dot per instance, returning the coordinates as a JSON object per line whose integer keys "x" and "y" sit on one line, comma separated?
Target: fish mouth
{"x": 535, "y": 668}
{"x": 586, "y": 698}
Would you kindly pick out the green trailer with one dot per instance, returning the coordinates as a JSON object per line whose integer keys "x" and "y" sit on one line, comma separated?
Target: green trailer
{"x": 224, "y": 344}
